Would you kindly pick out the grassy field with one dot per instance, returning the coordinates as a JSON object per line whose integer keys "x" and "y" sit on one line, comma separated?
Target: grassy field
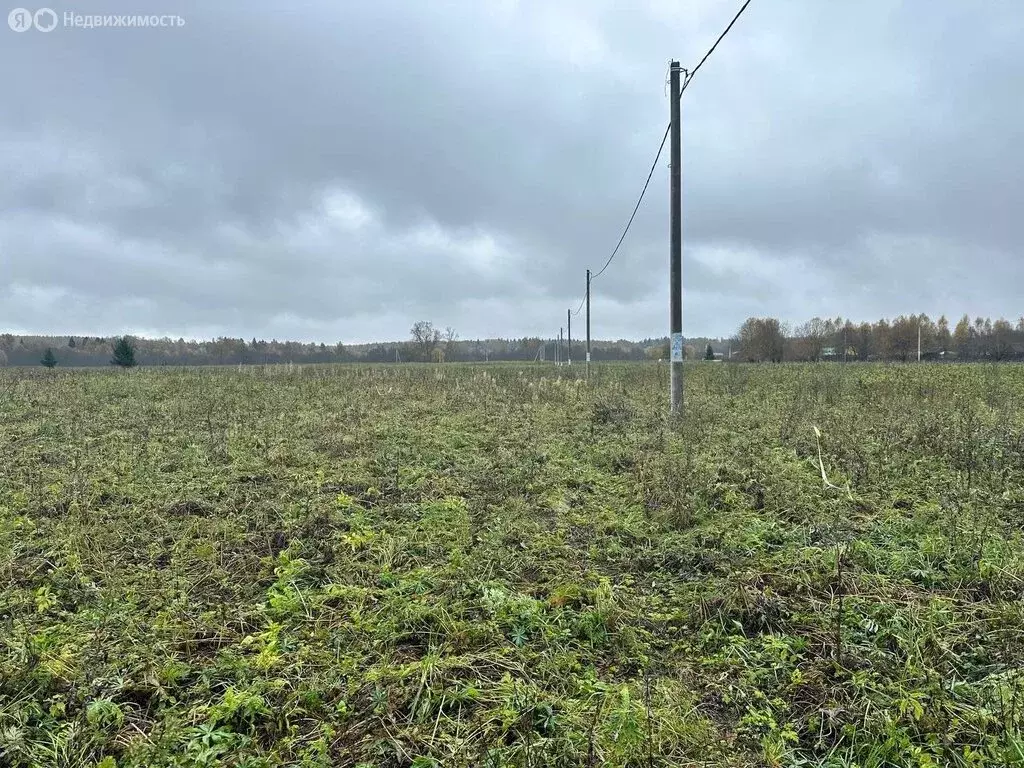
{"x": 491, "y": 566}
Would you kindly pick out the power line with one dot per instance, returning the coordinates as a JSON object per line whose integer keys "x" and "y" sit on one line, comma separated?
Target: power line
{"x": 577, "y": 310}
{"x": 711, "y": 50}
{"x": 636, "y": 208}
{"x": 654, "y": 165}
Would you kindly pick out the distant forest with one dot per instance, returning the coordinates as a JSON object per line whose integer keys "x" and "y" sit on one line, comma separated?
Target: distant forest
{"x": 97, "y": 351}
{"x": 758, "y": 339}
{"x": 905, "y": 338}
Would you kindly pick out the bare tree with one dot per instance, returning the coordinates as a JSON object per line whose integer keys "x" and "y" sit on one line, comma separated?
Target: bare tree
{"x": 425, "y": 338}
{"x": 761, "y": 339}
{"x": 450, "y": 337}
{"x": 813, "y": 336}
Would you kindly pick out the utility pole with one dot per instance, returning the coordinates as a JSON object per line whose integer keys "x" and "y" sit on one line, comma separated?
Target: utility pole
{"x": 588, "y": 323}
{"x": 919, "y": 340}
{"x": 676, "y": 253}
{"x": 568, "y": 341}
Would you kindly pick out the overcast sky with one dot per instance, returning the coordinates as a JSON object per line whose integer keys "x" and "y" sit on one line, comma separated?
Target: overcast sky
{"x": 334, "y": 170}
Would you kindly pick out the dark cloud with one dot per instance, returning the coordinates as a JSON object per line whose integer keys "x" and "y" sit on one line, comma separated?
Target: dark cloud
{"x": 337, "y": 171}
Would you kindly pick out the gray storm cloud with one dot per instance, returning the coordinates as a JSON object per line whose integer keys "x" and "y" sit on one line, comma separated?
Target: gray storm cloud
{"x": 339, "y": 170}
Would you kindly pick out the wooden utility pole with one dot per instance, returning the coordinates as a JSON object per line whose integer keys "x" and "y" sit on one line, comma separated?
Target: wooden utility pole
{"x": 676, "y": 249}
{"x": 568, "y": 339}
{"x": 588, "y": 323}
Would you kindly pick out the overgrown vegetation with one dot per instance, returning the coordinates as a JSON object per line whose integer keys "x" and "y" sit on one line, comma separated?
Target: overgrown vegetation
{"x": 507, "y": 566}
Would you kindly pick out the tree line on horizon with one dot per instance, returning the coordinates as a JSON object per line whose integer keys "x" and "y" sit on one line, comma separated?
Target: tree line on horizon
{"x": 763, "y": 339}
{"x": 759, "y": 339}
{"x": 425, "y": 344}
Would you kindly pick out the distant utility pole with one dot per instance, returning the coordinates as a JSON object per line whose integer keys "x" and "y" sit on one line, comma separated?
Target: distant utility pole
{"x": 568, "y": 343}
{"x": 919, "y": 341}
{"x": 676, "y": 253}
{"x": 588, "y": 323}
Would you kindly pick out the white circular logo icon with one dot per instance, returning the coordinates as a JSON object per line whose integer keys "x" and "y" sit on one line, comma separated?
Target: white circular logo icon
{"x": 45, "y": 19}
{"x": 20, "y": 20}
